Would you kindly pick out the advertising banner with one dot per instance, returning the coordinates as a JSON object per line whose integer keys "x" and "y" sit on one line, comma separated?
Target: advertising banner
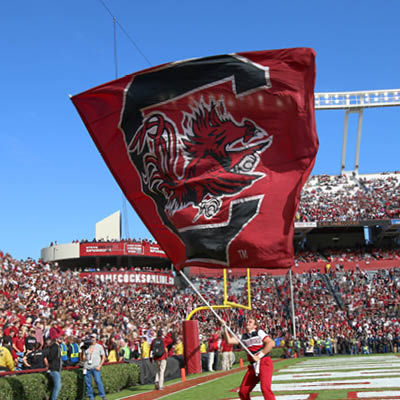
{"x": 132, "y": 277}
{"x": 308, "y": 224}
{"x": 102, "y": 249}
{"x": 120, "y": 249}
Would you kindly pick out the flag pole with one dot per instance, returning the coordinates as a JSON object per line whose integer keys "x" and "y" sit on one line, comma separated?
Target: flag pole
{"x": 292, "y": 303}
{"x": 223, "y": 323}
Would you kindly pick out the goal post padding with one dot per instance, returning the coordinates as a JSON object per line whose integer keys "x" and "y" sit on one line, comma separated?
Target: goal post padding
{"x": 191, "y": 345}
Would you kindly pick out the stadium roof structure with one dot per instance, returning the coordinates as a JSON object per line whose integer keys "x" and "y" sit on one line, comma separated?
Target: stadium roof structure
{"x": 355, "y": 102}
{"x": 107, "y": 249}
{"x": 106, "y": 254}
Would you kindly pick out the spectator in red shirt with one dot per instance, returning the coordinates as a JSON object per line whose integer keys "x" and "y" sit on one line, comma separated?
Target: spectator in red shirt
{"x": 19, "y": 347}
{"x": 213, "y": 351}
{"x": 55, "y": 331}
{"x": 227, "y": 355}
{"x": 19, "y": 342}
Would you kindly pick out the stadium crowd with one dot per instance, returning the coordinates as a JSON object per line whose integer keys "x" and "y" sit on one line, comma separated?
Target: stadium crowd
{"x": 335, "y": 198}
{"x": 349, "y": 312}
{"x": 346, "y": 309}
{"x": 334, "y": 255}
{"x": 122, "y": 240}
{"x": 350, "y": 198}
{"x": 43, "y": 301}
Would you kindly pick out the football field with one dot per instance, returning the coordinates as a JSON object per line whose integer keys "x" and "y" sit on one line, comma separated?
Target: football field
{"x": 363, "y": 377}
{"x": 325, "y": 378}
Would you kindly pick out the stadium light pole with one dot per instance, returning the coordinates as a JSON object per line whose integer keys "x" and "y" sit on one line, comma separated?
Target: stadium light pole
{"x": 355, "y": 102}
{"x": 359, "y": 129}
{"x": 344, "y": 142}
{"x": 124, "y": 207}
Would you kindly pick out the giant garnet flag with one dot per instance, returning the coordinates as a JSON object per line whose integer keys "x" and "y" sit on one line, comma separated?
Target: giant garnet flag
{"x": 212, "y": 153}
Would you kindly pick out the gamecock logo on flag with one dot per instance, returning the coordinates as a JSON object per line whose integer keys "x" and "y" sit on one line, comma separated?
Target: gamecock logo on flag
{"x": 212, "y": 153}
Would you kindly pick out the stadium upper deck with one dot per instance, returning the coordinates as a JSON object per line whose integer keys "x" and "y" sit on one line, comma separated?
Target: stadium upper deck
{"x": 334, "y": 212}
{"x": 350, "y": 197}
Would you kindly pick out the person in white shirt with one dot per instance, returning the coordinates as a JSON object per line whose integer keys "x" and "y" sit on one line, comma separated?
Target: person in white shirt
{"x": 93, "y": 359}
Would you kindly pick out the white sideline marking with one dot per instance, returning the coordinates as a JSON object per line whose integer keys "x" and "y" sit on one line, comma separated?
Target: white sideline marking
{"x": 284, "y": 397}
{"x": 382, "y": 395}
{"x": 340, "y": 367}
{"x": 350, "y": 385}
{"x": 332, "y": 364}
{"x": 341, "y": 360}
{"x": 343, "y": 374}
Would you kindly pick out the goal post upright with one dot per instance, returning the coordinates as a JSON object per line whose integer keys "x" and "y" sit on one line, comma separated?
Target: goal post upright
{"x": 191, "y": 329}
{"x": 226, "y": 303}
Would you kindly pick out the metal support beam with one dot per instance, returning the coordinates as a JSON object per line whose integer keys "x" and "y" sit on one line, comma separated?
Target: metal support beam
{"x": 355, "y": 102}
{"x": 359, "y": 111}
{"x": 344, "y": 144}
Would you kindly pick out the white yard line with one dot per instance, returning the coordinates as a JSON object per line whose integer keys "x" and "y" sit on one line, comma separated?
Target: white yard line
{"x": 343, "y": 374}
{"x": 352, "y": 359}
{"x": 323, "y": 367}
{"x": 381, "y": 395}
{"x": 350, "y": 385}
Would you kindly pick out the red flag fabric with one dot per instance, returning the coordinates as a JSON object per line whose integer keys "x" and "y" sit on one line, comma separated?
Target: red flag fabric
{"x": 212, "y": 153}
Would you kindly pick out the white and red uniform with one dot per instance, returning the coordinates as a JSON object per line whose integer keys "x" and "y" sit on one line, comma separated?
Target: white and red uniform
{"x": 255, "y": 342}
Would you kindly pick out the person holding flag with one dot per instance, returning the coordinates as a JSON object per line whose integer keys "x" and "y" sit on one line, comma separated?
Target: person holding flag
{"x": 212, "y": 153}
{"x": 261, "y": 366}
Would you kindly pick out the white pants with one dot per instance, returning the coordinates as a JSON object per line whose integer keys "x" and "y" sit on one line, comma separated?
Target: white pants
{"x": 232, "y": 359}
{"x": 226, "y": 361}
{"x": 161, "y": 365}
{"x": 210, "y": 361}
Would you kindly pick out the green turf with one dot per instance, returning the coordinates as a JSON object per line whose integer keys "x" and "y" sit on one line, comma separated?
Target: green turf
{"x": 220, "y": 387}
{"x": 213, "y": 389}
{"x": 148, "y": 388}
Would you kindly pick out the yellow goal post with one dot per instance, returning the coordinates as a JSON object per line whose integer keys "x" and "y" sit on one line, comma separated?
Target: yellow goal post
{"x": 227, "y": 303}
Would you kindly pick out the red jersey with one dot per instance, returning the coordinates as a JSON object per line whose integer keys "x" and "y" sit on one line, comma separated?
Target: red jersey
{"x": 19, "y": 343}
{"x": 225, "y": 346}
{"x": 213, "y": 343}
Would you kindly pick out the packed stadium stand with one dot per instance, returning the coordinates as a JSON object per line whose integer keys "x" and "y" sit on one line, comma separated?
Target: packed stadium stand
{"x": 335, "y": 307}
{"x": 350, "y": 197}
{"x": 346, "y": 283}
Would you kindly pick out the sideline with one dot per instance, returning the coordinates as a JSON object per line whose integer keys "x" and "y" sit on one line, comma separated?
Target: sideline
{"x": 180, "y": 386}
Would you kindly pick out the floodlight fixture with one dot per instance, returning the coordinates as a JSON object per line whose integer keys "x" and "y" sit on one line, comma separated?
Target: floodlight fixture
{"x": 355, "y": 102}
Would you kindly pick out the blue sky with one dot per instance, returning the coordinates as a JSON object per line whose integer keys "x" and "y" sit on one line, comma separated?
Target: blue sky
{"x": 55, "y": 185}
